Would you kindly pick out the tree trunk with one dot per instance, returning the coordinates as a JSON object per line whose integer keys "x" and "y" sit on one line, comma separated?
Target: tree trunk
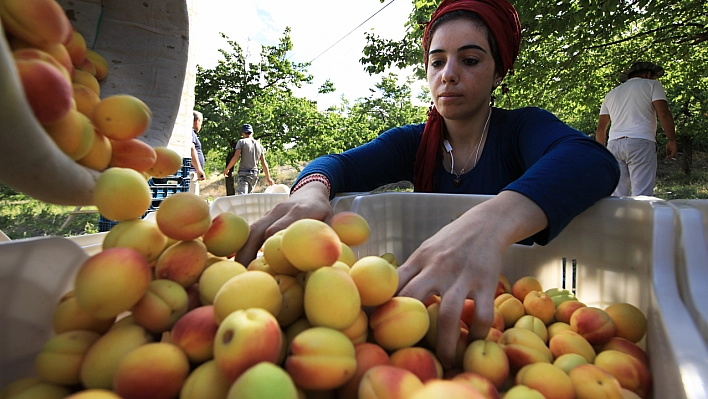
{"x": 230, "y": 189}
{"x": 687, "y": 146}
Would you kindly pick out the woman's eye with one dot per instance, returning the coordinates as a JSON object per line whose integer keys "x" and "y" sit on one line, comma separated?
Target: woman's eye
{"x": 435, "y": 63}
{"x": 470, "y": 61}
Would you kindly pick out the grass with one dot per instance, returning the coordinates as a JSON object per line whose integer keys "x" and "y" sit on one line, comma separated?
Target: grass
{"x": 24, "y": 217}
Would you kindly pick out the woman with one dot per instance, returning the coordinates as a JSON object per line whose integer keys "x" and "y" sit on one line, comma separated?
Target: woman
{"x": 542, "y": 171}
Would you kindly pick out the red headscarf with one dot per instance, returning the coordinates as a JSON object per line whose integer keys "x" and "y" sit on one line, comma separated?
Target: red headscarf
{"x": 503, "y": 22}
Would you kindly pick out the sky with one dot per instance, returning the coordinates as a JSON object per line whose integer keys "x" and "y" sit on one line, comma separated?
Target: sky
{"x": 315, "y": 26}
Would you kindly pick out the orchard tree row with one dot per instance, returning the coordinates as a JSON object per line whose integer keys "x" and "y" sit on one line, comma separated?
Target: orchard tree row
{"x": 571, "y": 54}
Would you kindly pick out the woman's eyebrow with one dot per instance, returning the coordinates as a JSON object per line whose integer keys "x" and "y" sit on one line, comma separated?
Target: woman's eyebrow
{"x": 463, "y": 48}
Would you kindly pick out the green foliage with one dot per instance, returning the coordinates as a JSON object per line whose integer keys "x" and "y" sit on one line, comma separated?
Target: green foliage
{"x": 573, "y": 50}
{"x": 292, "y": 129}
{"x": 23, "y": 217}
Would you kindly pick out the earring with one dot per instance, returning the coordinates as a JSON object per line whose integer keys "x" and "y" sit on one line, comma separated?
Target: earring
{"x": 497, "y": 83}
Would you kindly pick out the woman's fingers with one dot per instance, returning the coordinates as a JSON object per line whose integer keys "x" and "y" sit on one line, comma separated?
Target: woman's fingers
{"x": 448, "y": 333}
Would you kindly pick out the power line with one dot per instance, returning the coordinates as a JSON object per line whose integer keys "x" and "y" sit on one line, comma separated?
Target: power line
{"x": 352, "y": 31}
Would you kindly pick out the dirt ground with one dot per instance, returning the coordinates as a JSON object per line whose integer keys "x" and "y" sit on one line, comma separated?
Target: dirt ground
{"x": 215, "y": 184}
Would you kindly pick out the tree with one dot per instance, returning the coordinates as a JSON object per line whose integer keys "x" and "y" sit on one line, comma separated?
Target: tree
{"x": 573, "y": 50}
{"x": 235, "y": 91}
{"x": 291, "y": 128}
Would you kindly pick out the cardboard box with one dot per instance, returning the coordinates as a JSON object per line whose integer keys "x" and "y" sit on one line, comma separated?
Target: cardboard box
{"x": 692, "y": 258}
{"x": 619, "y": 250}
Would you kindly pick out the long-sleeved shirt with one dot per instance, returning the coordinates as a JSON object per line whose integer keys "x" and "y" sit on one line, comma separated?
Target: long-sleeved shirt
{"x": 527, "y": 150}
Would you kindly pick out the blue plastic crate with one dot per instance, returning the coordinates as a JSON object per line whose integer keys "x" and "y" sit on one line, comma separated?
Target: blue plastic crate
{"x": 105, "y": 224}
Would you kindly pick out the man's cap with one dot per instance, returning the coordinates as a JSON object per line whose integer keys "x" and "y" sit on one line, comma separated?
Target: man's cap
{"x": 247, "y": 128}
{"x": 641, "y": 66}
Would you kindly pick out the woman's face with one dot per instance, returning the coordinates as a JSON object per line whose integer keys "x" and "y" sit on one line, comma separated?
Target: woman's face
{"x": 461, "y": 70}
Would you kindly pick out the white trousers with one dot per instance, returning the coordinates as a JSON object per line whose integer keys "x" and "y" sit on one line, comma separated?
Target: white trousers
{"x": 638, "y": 164}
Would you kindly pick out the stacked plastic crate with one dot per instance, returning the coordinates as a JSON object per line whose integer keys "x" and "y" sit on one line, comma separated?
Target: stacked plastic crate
{"x": 160, "y": 188}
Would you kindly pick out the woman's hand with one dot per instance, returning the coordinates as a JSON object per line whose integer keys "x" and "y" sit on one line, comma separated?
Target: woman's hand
{"x": 310, "y": 201}
{"x": 463, "y": 260}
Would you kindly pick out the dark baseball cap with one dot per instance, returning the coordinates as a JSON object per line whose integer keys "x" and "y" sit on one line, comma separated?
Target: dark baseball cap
{"x": 247, "y": 128}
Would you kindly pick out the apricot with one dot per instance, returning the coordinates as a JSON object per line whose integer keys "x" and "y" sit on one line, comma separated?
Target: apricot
{"x": 99, "y": 155}
{"x": 205, "y": 382}
{"x": 293, "y": 294}
{"x": 540, "y": 305}
{"x": 523, "y": 347}
{"x": 510, "y": 307}
{"x": 137, "y": 375}
{"x": 399, "y": 323}
{"x": 571, "y": 342}
{"x": 367, "y": 355}
{"x": 69, "y": 316}
{"x": 214, "y": 276}
{"x": 183, "y": 216}
{"x": 226, "y": 235}
{"x": 375, "y": 278}
{"x": 94, "y": 394}
{"x": 121, "y": 194}
{"x": 533, "y": 324}
{"x": 548, "y": 379}
{"x": 133, "y": 154}
{"x": 630, "y": 322}
{"x": 59, "y": 361}
{"x": 263, "y": 381}
{"x": 321, "y": 358}
{"x": 245, "y": 338}
{"x": 101, "y": 360}
{"x": 122, "y": 117}
{"x": 182, "y": 262}
{"x": 27, "y": 52}
{"x": 448, "y": 389}
{"x": 478, "y": 382}
{"x": 164, "y": 302}
{"x": 310, "y": 244}
{"x": 591, "y": 381}
{"x": 487, "y": 359}
{"x": 386, "y": 381}
{"x": 358, "y": 332}
{"x": 524, "y": 285}
{"x": 141, "y": 235}
{"x": 73, "y": 134}
{"x": 76, "y": 48}
{"x": 167, "y": 163}
{"x": 86, "y": 79}
{"x": 274, "y": 256}
{"x": 47, "y": 91}
{"x": 111, "y": 282}
{"x": 39, "y": 22}
{"x": 331, "y": 298}
{"x": 99, "y": 63}
{"x": 194, "y": 333}
{"x": 565, "y": 309}
{"x": 593, "y": 324}
{"x": 55, "y": 54}
{"x": 253, "y": 289}
{"x": 351, "y": 228}
{"x": 419, "y": 361}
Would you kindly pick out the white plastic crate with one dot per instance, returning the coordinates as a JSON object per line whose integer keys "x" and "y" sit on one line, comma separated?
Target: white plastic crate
{"x": 34, "y": 274}
{"x": 90, "y": 243}
{"x": 623, "y": 250}
{"x": 692, "y": 258}
{"x": 249, "y": 206}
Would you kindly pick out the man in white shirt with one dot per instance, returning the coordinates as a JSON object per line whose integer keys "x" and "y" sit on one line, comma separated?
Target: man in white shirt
{"x": 633, "y": 107}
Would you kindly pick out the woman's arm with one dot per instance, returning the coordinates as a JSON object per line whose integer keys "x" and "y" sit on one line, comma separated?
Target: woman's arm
{"x": 463, "y": 260}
